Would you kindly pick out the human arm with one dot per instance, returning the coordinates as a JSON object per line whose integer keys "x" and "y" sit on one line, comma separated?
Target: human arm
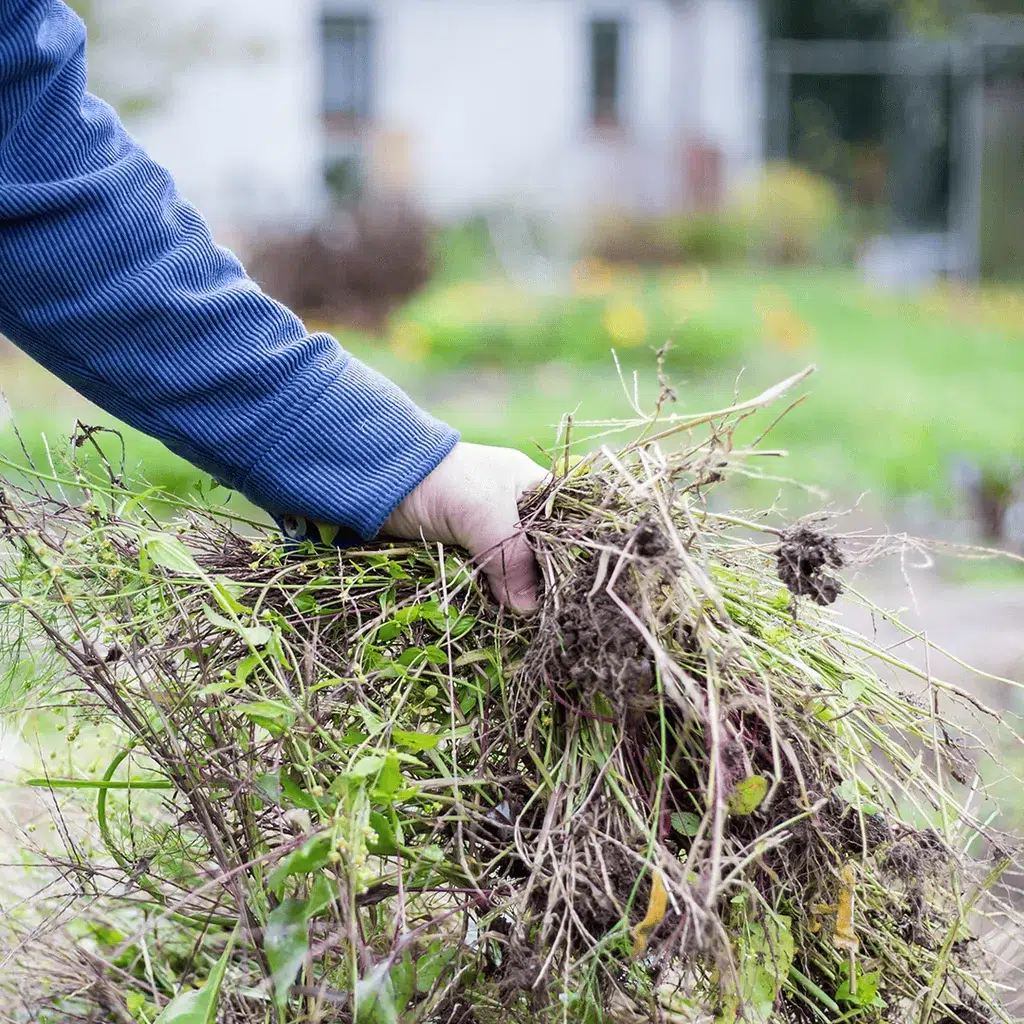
{"x": 113, "y": 282}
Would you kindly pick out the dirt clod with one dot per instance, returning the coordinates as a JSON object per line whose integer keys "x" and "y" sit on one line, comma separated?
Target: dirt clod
{"x": 803, "y": 556}
{"x": 594, "y": 649}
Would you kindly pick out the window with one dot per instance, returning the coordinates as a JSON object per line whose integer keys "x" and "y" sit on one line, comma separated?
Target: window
{"x": 347, "y": 56}
{"x": 606, "y": 53}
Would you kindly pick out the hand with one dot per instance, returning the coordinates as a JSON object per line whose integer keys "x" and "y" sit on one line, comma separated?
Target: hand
{"x": 471, "y": 499}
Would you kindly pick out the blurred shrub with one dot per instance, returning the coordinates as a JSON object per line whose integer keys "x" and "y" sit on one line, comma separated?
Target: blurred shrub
{"x": 479, "y": 324}
{"x": 355, "y": 268}
{"x": 711, "y": 239}
{"x": 464, "y": 250}
{"x": 643, "y": 241}
{"x": 789, "y": 212}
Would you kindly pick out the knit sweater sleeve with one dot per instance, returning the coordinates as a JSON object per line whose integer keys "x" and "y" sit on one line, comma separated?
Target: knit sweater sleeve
{"x": 112, "y": 281}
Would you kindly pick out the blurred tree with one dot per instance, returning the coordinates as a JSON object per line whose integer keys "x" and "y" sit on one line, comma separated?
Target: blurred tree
{"x": 874, "y": 19}
{"x": 939, "y": 17}
{"x": 139, "y": 48}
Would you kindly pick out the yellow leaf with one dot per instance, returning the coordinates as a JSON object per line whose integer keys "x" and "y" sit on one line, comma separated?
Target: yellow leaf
{"x": 747, "y": 795}
{"x": 845, "y": 937}
{"x": 656, "y": 907}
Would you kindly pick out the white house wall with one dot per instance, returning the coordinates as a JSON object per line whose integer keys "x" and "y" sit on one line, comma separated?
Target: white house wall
{"x": 492, "y": 96}
{"x": 242, "y": 131}
{"x": 725, "y": 44}
{"x": 484, "y": 91}
{"x": 488, "y": 99}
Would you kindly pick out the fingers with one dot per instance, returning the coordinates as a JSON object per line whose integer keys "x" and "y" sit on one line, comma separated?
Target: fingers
{"x": 471, "y": 499}
{"x": 496, "y": 540}
{"x": 510, "y": 566}
{"x": 530, "y": 476}
{"x": 512, "y": 572}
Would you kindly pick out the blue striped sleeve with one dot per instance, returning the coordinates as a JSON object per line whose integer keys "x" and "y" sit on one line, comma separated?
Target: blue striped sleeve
{"x": 112, "y": 281}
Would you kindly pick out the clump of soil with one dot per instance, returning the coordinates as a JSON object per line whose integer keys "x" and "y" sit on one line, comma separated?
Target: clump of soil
{"x": 594, "y": 649}
{"x": 848, "y": 825}
{"x": 803, "y": 557}
{"x": 521, "y": 975}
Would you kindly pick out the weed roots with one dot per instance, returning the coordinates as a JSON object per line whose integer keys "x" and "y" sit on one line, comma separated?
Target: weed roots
{"x": 341, "y": 785}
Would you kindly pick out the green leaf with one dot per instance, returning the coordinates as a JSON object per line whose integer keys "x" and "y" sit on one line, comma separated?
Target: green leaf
{"x": 226, "y": 593}
{"x": 375, "y": 1003}
{"x": 848, "y": 790}
{"x": 298, "y": 796}
{"x": 462, "y": 625}
{"x": 867, "y": 989}
{"x": 224, "y": 686}
{"x": 169, "y": 553}
{"x": 415, "y": 740}
{"x": 388, "y": 632}
{"x": 269, "y": 786}
{"x": 273, "y": 715}
{"x": 373, "y": 722}
{"x": 390, "y": 780}
{"x": 321, "y": 896}
{"x": 747, "y": 795}
{"x": 403, "y": 982}
{"x": 853, "y": 688}
{"x": 255, "y": 636}
{"x": 472, "y": 657}
{"x": 308, "y": 858}
{"x": 245, "y": 667}
{"x": 764, "y": 957}
{"x": 686, "y": 823}
{"x": 435, "y": 655}
{"x": 406, "y": 616}
{"x": 275, "y": 647}
{"x": 431, "y": 965}
{"x": 128, "y": 508}
{"x": 200, "y": 1005}
{"x": 410, "y": 656}
{"x": 135, "y": 1001}
{"x": 286, "y": 942}
{"x": 386, "y": 845}
{"x": 369, "y": 764}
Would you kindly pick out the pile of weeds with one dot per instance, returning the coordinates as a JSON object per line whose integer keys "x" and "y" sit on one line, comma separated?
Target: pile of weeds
{"x": 299, "y": 784}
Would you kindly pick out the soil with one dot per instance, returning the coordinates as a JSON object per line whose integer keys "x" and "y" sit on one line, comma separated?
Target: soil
{"x": 803, "y": 556}
{"x": 593, "y": 648}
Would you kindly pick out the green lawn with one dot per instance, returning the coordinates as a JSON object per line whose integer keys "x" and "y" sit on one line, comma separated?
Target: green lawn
{"x": 903, "y": 385}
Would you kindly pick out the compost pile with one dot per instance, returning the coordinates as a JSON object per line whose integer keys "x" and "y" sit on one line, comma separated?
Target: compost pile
{"x": 340, "y": 785}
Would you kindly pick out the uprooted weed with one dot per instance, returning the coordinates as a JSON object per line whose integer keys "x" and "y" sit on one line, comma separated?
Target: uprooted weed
{"x": 338, "y": 785}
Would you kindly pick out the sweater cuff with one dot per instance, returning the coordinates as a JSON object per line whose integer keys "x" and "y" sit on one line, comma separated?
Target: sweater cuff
{"x": 349, "y": 459}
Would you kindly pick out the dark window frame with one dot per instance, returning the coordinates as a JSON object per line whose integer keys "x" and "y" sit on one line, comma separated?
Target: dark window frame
{"x": 348, "y": 36}
{"x": 607, "y": 58}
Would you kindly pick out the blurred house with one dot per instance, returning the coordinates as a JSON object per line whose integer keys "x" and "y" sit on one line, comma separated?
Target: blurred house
{"x": 561, "y": 106}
